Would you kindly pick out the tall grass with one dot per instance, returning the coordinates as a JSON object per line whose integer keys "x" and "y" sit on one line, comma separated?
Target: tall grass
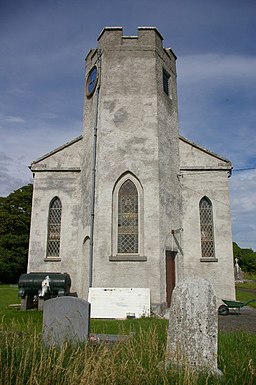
{"x": 24, "y": 360}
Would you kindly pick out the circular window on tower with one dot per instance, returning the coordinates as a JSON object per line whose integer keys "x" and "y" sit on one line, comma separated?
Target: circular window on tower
{"x": 91, "y": 81}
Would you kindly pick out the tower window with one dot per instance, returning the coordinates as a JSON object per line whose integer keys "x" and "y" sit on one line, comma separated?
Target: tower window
{"x": 54, "y": 225}
{"x": 166, "y": 78}
{"x": 128, "y": 218}
{"x": 206, "y": 225}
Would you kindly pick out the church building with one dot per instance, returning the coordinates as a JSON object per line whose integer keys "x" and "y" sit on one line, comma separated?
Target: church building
{"x": 131, "y": 203}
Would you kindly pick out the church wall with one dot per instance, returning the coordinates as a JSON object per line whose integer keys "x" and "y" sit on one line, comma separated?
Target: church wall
{"x": 65, "y": 157}
{"x": 136, "y": 125}
{"x": 128, "y": 142}
{"x": 136, "y": 135}
{"x": 168, "y": 155}
{"x": 214, "y": 185}
{"x": 47, "y": 185}
{"x": 191, "y": 155}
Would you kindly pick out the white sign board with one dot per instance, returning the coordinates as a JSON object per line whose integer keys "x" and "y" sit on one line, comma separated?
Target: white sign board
{"x": 119, "y": 302}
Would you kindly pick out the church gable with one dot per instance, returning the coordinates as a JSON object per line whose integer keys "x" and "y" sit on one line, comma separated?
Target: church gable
{"x": 64, "y": 158}
{"x": 193, "y": 156}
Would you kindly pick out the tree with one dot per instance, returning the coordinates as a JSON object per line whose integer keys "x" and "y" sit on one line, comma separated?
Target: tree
{"x": 15, "y": 212}
{"x": 247, "y": 258}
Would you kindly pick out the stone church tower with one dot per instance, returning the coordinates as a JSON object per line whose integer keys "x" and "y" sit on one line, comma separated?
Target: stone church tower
{"x": 131, "y": 203}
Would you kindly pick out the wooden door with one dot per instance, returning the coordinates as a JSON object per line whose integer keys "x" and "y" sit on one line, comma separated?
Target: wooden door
{"x": 170, "y": 275}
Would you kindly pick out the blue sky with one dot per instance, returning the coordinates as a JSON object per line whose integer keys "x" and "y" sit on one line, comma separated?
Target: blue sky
{"x": 42, "y": 49}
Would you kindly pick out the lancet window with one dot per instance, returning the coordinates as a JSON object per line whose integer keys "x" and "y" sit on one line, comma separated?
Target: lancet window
{"x": 54, "y": 227}
{"x": 127, "y": 218}
{"x": 207, "y": 228}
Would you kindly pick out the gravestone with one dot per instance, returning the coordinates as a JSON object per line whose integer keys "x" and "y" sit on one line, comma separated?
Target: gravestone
{"x": 65, "y": 319}
{"x": 193, "y": 327}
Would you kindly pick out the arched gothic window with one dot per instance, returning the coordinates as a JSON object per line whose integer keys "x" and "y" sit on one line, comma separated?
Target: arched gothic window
{"x": 54, "y": 225}
{"x": 206, "y": 226}
{"x": 127, "y": 218}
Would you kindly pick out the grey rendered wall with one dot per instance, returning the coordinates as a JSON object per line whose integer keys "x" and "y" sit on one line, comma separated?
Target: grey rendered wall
{"x": 66, "y": 186}
{"x": 136, "y": 135}
{"x": 214, "y": 185}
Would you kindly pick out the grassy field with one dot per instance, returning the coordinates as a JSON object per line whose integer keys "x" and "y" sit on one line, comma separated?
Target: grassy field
{"x": 246, "y": 291}
{"x": 8, "y": 296}
{"x": 24, "y": 360}
{"x": 250, "y": 276}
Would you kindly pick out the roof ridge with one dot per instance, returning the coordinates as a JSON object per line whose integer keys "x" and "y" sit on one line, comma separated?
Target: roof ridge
{"x": 67, "y": 144}
{"x": 204, "y": 149}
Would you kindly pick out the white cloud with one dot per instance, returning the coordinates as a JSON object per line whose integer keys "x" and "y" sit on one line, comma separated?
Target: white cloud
{"x": 216, "y": 68}
{"x": 10, "y": 180}
{"x": 217, "y": 109}
{"x": 26, "y": 144}
{"x": 243, "y": 204}
{"x": 17, "y": 90}
{"x": 14, "y": 119}
{"x": 217, "y": 95}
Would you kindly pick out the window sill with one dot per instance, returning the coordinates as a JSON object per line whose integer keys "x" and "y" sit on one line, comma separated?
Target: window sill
{"x": 208, "y": 259}
{"x": 127, "y": 258}
{"x": 52, "y": 259}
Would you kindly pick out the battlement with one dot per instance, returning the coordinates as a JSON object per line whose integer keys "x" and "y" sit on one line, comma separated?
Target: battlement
{"x": 113, "y": 36}
{"x": 147, "y": 39}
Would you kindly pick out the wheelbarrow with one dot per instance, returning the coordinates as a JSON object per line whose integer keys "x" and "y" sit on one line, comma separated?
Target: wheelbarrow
{"x": 224, "y": 309}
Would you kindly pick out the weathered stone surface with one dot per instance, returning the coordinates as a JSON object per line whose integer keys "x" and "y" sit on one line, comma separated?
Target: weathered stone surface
{"x": 193, "y": 326}
{"x": 65, "y": 319}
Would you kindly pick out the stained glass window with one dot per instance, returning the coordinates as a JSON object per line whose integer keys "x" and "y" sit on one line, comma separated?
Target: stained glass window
{"x": 127, "y": 218}
{"x": 54, "y": 225}
{"x": 206, "y": 225}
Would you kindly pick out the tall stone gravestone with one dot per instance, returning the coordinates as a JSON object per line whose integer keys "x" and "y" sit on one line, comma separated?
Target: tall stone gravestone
{"x": 65, "y": 319}
{"x": 193, "y": 327}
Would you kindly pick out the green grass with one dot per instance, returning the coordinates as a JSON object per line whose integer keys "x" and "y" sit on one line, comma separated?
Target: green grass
{"x": 24, "y": 360}
{"x": 8, "y": 296}
{"x": 237, "y": 358}
{"x": 247, "y": 285}
{"x": 244, "y": 296}
{"x": 250, "y": 276}
{"x": 138, "y": 361}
